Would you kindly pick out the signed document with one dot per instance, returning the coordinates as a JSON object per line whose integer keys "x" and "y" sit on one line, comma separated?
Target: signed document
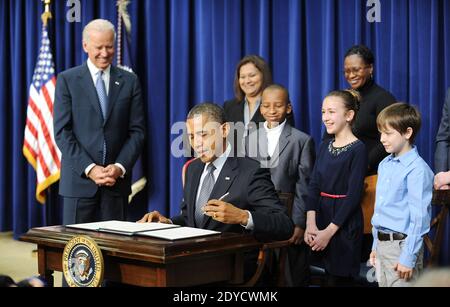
{"x": 179, "y": 233}
{"x": 122, "y": 227}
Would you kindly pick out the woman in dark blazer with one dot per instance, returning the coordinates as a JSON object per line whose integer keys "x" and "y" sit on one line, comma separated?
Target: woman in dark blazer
{"x": 251, "y": 77}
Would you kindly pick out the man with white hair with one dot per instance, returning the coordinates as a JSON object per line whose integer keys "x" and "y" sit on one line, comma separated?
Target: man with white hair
{"x": 100, "y": 129}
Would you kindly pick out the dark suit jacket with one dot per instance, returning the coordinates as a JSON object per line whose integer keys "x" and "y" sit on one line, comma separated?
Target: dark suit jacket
{"x": 80, "y": 129}
{"x": 442, "y": 154}
{"x": 234, "y": 112}
{"x": 291, "y": 168}
{"x": 250, "y": 189}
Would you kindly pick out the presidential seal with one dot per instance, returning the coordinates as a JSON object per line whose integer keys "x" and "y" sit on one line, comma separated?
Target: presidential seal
{"x": 83, "y": 262}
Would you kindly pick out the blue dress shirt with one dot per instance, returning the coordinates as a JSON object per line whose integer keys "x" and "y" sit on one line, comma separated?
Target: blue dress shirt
{"x": 403, "y": 201}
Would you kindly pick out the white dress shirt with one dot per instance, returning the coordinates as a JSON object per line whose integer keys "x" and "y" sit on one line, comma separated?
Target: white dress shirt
{"x": 94, "y": 71}
{"x": 273, "y": 136}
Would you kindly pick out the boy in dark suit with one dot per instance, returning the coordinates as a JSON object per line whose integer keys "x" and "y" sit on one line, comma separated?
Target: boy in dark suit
{"x": 289, "y": 154}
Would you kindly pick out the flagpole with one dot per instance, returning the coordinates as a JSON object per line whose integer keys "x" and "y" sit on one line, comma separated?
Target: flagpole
{"x": 119, "y": 33}
{"x": 50, "y": 200}
{"x": 122, "y": 16}
{"x": 47, "y": 14}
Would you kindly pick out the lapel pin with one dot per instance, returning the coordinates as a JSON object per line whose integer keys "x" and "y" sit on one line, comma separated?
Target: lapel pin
{"x": 117, "y": 83}
{"x": 227, "y": 178}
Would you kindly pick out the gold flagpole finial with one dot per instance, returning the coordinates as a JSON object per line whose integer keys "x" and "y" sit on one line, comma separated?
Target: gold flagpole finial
{"x": 47, "y": 14}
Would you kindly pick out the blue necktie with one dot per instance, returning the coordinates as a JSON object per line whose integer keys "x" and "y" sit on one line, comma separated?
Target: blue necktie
{"x": 205, "y": 192}
{"x": 103, "y": 99}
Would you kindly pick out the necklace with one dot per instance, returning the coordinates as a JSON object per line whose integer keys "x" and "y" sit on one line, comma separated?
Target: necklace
{"x": 336, "y": 151}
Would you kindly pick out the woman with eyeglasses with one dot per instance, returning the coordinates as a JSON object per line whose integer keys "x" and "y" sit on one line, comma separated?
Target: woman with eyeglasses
{"x": 358, "y": 71}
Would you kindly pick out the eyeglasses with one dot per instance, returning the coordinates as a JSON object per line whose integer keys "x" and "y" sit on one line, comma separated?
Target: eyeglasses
{"x": 354, "y": 70}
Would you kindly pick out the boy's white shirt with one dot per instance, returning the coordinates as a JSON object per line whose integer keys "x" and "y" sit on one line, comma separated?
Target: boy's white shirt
{"x": 273, "y": 136}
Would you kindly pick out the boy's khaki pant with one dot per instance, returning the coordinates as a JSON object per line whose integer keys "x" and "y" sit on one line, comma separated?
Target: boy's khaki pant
{"x": 388, "y": 254}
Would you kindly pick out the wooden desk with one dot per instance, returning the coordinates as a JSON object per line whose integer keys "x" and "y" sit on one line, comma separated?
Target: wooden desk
{"x": 144, "y": 261}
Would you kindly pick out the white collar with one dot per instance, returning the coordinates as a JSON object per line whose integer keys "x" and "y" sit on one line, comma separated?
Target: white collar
{"x": 220, "y": 161}
{"x": 276, "y": 129}
{"x": 94, "y": 69}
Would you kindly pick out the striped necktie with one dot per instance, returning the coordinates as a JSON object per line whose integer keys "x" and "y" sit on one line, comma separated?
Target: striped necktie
{"x": 205, "y": 192}
{"x": 103, "y": 99}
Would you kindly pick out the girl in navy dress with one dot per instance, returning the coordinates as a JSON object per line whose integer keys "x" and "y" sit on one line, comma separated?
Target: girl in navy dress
{"x": 334, "y": 225}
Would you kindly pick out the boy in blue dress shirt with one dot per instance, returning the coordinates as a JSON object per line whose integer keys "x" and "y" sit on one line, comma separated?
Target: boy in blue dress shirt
{"x": 403, "y": 200}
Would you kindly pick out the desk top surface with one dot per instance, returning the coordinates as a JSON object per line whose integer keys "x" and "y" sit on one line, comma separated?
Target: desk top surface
{"x": 145, "y": 248}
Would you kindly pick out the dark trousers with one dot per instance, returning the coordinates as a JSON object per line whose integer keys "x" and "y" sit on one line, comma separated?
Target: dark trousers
{"x": 102, "y": 207}
{"x": 297, "y": 270}
{"x": 339, "y": 281}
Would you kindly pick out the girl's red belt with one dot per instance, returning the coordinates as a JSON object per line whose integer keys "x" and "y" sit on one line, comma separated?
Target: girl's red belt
{"x": 323, "y": 194}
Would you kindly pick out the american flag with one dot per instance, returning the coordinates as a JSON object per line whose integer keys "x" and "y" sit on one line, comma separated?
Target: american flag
{"x": 39, "y": 145}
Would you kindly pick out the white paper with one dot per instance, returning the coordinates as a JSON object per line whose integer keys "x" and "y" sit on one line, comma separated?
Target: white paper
{"x": 130, "y": 227}
{"x": 179, "y": 233}
{"x": 122, "y": 227}
{"x": 89, "y": 226}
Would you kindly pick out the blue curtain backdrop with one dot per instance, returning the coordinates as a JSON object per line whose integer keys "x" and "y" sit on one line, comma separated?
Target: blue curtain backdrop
{"x": 185, "y": 52}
